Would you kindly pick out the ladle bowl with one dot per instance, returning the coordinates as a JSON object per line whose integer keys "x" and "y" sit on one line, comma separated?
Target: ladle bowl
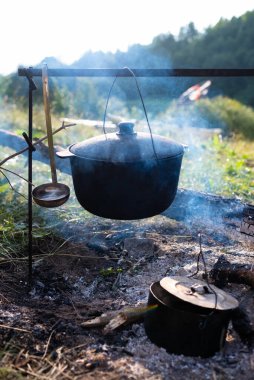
{"x": 51, "y": 194}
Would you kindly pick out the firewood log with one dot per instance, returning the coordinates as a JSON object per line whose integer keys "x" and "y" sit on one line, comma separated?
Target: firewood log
{"x": 242, "y": 325}
{"x": 114, "y": 319}
{"x": 223, "y": 272}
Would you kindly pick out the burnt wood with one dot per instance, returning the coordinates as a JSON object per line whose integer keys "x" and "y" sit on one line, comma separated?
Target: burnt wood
{"x": 223, "y": 272}
{"x": 242, "y": 325}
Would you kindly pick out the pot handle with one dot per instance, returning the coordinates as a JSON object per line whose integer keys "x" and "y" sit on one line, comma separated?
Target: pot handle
{"x": 64, "y": 153}
{"x": 143, "y": 104}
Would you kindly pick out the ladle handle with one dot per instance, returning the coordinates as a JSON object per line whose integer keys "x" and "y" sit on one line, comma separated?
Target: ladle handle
{"x": 45, "y": 88}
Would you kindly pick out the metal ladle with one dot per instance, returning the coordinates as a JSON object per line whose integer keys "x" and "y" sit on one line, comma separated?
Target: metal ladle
{"x": 52, "y": 194}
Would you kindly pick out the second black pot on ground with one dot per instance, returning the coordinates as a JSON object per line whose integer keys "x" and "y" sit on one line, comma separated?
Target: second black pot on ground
{"x": 186, "y": 317}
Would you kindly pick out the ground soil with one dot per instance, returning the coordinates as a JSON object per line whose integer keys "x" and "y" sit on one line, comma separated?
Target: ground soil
{"x": 111, "y": 265}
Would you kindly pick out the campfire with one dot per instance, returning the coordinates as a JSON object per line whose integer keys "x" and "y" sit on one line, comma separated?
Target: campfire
{"x": 93, "y": 292}
{"x": 169, "y": 296}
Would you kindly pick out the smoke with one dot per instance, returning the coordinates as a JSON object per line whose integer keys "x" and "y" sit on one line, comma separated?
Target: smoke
{"x": 197, "y": 170}
{"x": 200, "y": 169}
{"x": 202, "y": 173}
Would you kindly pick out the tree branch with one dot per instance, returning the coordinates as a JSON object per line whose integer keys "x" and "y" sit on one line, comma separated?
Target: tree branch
{"x": 9, "y": 182}
{"x": 17, "y": 143}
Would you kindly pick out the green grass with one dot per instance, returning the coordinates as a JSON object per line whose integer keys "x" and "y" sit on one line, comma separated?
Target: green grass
{"x": 108, "y": 272}
{"x": 14, "y": 217}
{"x": 221, "y": 166}
{"x": 10, "y": 374}
{"x": 230, "y": 115}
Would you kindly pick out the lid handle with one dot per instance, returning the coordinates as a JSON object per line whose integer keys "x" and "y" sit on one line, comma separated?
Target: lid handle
{"x": 200, "y": 289}
{"x": 143, "y": 104}
{"x": 126, "y": 128}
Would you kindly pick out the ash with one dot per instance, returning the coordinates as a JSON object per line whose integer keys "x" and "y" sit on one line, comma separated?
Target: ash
{"x": 113, "y": 266}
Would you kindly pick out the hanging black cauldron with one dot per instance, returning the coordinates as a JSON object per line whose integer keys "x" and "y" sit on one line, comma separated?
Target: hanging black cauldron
{"x": 125, "y": 175}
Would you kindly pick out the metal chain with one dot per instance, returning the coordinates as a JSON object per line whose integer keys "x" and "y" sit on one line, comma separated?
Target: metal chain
{"x": 201, "y": 256}
{"x": 143, "y": 104}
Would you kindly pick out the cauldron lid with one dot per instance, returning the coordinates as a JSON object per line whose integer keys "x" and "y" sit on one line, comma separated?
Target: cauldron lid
{"x": 126, "y": 146}
{"x": 197, "y": 293}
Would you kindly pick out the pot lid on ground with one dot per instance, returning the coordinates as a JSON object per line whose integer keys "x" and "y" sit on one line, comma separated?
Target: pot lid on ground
{"x": 198, "y": 293}
{"x": 126, "y": 146}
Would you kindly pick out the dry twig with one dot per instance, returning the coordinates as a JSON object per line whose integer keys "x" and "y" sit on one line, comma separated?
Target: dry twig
{"x": 63, "y": 126}
{"x": 14, "y": 328}
{"x": 9, "y": 182}
{"x": 114, "y": 319}
{"x": 47, "y": 345}
{"x": 21, "y": 259}
{"x": 22, "y": 151}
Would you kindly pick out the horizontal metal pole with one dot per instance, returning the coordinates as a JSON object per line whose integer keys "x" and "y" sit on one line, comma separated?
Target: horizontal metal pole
{"x": 138, "y": 72}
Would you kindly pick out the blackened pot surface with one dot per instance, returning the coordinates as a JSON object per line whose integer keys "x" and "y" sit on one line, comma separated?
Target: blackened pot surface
{"x": 182, "y": 331}
{"x": 132, "y": 190}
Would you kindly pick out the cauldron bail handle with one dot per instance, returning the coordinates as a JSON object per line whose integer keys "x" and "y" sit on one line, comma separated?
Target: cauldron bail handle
{"x": 143, "y": 104}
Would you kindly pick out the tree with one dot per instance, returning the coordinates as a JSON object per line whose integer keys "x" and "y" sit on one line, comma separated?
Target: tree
{"x": 188, "y": 32}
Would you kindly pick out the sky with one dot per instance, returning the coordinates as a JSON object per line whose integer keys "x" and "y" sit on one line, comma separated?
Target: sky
{"x": 31, "y": 30}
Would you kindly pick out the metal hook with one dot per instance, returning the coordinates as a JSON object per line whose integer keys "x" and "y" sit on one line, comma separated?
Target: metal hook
{"x": 29, "y": 142}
